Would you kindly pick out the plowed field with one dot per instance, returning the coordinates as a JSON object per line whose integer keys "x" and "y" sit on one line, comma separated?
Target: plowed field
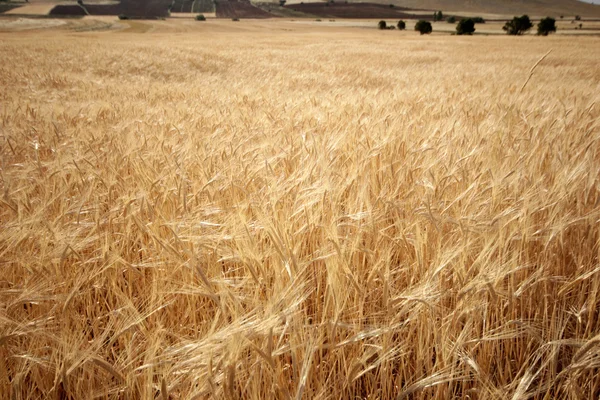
{"x": 357, "y": 10}
{"x": 131, "y": 8}
{"x": 240, "y": 9}
{"x": 193, "y": 6}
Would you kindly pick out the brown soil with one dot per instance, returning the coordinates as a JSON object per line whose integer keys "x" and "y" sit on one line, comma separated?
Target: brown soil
{"x": 193, "y": 6}
{"x": 92, "y": 10}
{"x": 358, "y": 10}
{"x": 131, "y": 8}
{"x": 240, "y": 9}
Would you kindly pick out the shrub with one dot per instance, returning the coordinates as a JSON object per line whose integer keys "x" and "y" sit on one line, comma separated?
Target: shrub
{"x": 466, "y": 26}
{"x": 123, "y": 16}
{"x": 518, "y": 25}
{"x": 318, "y": 20}
{"x": 381, "y": 25}
{"x": 478, "y": 20}
{"x": 547, "y": 25}
{"x": 451, "y": 19}
{"x": 424, "y": 27}
{"x": 577, "y": 18}
{"x": 235, "y": 19}
{"x": 200, "y": 17}
{"x": 391, "y": 27}
{"x": 401, "y": 25}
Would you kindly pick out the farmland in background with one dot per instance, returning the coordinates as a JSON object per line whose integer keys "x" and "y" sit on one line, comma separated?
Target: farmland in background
{"x": 358, "y": 10}
{"x": 501, "y": 7}
{"x": 239, "y": 9}
{"x": 7, "y": 7}
{"x": 288, "y": 209}
{"x": 487, "y": 8}
{"x": 193, "y": 6}
{"x": 130, "y": 8}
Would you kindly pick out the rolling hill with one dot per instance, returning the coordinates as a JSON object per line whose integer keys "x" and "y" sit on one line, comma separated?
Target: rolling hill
{"x": 487, "y": 8}
{"x": 554, "y": 8}
{"x": 130, "y": 8}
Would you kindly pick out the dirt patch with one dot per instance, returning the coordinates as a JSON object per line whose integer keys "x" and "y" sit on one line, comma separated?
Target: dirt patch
{"x": 277, "y": 11}
{"x": 193, "y": 6}
{"x": 130, "y": 8}
{"x": 358, "y": 10}
{"x": 146, "y": 8}
{"x": 240, "y": 9}
{"x": 86, "y": 10}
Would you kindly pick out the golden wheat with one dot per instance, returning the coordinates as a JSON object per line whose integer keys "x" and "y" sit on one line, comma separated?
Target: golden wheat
{"x": 306, "y": 214}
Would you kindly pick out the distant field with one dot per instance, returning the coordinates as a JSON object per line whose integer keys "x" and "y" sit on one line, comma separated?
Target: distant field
{"x": 113, "y": 9}
{"x": 4, "y": 7}
{"x": 193, "y": 6}
{"x": 357, "y": 10}
{"x": 489, "y": 9}
{"x": 506, "y": 8}
{"x": 536, "y": 8}
{"x": 295, "y": 209}
{"x": 239, "y": 9}
{"x": 130, "y": 8}
{"x": 34, "y": 9}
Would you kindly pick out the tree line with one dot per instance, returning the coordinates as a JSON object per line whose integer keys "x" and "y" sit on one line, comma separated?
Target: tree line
{"x": 466, "y": 26}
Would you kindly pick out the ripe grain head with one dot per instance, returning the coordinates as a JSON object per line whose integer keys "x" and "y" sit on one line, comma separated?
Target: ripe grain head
{"x": 298, "y": 216}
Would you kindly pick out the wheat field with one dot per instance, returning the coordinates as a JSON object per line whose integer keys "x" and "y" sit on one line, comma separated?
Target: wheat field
{"x": 299, "y": 213}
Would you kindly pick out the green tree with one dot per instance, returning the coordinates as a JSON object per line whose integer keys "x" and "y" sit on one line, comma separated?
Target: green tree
{"x": 424, "y": 27}
{"x": 547, "y": 25}
{"x": 466, "y": 26}
{"x": 518, "y": 25}
{"x": 401, "y": 25}
{"x": 382, "y": 25}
